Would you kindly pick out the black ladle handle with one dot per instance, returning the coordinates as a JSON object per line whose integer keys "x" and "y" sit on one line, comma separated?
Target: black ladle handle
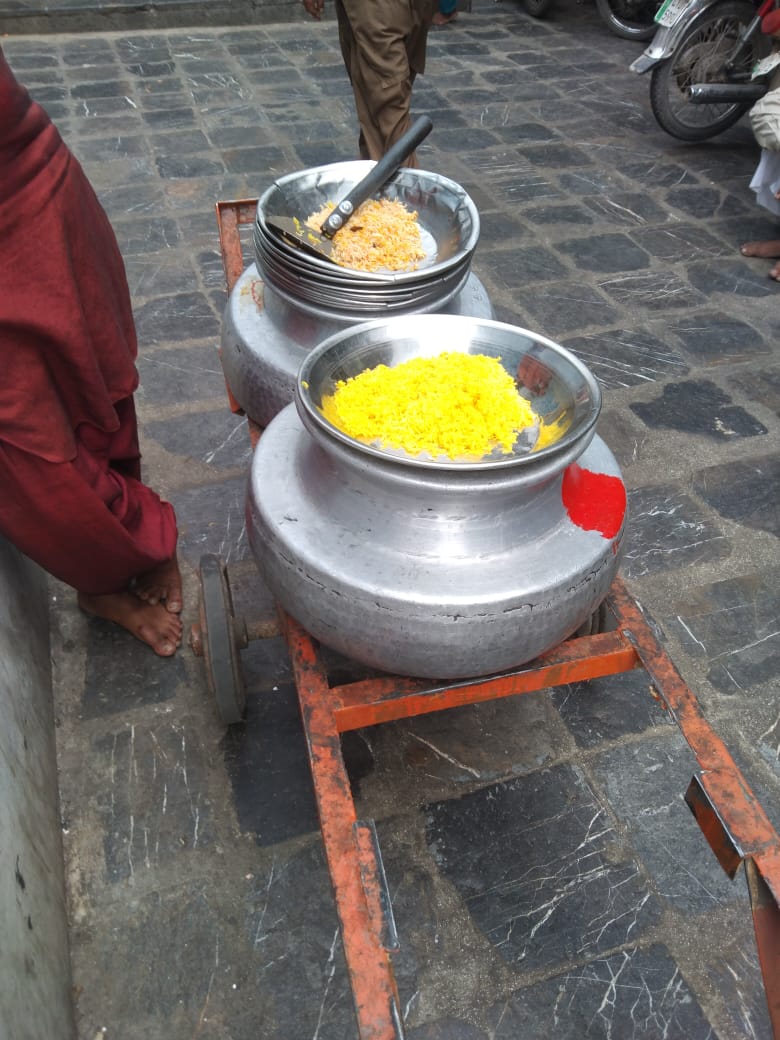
{"x": 377, "y": 175}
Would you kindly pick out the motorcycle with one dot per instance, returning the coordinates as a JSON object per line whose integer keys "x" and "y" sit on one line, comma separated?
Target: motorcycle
{"x": 630, "y": 19}
{"x": 703, "y": 60}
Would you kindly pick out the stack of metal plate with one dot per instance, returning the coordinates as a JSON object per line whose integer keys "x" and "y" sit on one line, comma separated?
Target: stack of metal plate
{"x": 449, "y": 226}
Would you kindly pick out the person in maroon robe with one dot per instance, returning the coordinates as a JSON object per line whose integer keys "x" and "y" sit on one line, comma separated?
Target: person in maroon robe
{"x": 71, "y": 496}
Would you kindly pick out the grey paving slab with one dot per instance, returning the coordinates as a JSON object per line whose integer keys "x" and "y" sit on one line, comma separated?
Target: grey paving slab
{"x": 547, "y": 877}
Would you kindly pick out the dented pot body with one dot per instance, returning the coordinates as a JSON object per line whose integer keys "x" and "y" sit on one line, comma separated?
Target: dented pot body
{"x": 433, "y": 573}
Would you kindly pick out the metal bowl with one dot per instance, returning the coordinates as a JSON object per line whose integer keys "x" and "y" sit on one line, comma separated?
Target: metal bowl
{"x": 448, "y": 218}
{"x": 560, "y": 388}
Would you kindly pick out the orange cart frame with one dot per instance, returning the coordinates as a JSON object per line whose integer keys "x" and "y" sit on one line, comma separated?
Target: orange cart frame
{"x": 727, "y": 811}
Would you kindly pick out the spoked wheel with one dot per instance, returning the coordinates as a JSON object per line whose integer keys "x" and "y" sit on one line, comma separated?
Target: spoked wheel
{"x": 630, "y": 19}
{"x": 220, "y": 638}
{"x": 538, "y": 8}
{"x": 597, "y": 623}
{"x": 701, "y": 57}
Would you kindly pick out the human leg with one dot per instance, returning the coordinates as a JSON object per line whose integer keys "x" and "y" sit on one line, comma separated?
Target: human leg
{"x": 383, "y": 46}
{"x": 94, "y": 529}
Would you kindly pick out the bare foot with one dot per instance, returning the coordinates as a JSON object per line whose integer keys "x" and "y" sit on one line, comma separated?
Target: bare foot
{"x": 442, "y": 19}
{"x": 767, "y": 250}
{"x": 775, "y": 273}
{"x": 162, "y": 584}
{"x": 152, "y": 624}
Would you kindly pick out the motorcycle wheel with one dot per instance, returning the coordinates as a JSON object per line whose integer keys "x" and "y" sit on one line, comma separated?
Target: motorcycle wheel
{"x": 630, "y": 19}
{"x": 538, "y": 8}
{"x": 700, "y": 57}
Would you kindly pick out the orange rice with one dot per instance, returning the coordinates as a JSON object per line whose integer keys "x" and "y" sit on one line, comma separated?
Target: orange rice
{"x": 456, "y": 405}
{"x": 382, "y": 234}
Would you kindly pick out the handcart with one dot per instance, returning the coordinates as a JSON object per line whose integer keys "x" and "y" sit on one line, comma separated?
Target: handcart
{"x": 619, "y": 638}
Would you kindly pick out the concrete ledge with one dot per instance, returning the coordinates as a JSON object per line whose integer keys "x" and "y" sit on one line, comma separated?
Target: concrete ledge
{"x": 35, "y": 986}
{"x": 18, "y": 18}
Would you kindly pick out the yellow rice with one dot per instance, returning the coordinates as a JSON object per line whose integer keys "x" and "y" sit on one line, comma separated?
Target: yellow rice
{"x": 381, "y": 234}
{"x": 457, "y": 405}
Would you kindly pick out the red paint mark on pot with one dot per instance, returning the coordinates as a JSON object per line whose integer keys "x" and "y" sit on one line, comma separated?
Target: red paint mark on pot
{"x": 594, "y": 501}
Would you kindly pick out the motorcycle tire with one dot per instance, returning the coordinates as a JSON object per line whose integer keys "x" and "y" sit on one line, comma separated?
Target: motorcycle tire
{"x": 538, "y": 8}
{"x": 699, "y": 57}
{"x": 630, "y": 19}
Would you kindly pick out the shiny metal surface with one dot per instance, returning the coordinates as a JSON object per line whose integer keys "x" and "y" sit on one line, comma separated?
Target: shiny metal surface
{"x": 447, "y": 215}
{"x": 431, "y": 568}
{"x": 420, "y": 571}
{"x": 558, "y": 385}
{"x": 266, "y": 336}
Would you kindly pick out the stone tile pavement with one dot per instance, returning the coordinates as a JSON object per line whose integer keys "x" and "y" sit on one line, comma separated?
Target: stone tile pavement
{"x": 547, "y": 877}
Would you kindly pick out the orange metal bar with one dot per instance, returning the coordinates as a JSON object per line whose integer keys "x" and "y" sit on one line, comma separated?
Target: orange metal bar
{"x": 371, "y": 974}
{"x": 365, "y": 704}
{"x": 766, "y": 923}
{"x": 737, "y": 805}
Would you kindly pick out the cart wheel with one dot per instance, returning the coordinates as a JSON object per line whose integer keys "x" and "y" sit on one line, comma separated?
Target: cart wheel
{"x": 220, "y": 645}
{"x": 595, "y": 624}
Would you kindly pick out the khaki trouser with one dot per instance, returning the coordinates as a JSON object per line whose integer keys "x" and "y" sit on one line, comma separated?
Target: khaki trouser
{"x": 383, "y": 46}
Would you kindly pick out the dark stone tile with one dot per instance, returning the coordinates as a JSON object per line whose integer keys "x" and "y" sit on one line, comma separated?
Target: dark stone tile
{"x": 270, "y": 743}
{"x": 609, "y": 708}
{"x": 188, "y": 166}
{"x": 148, "y": 275}
{"x": 155, "y": 805}
{"x": 645, "y": 784}
{"x": 575, "y": 892}
{"x": 605, "y": 253}
{"x": 219, "y": 439}
{"x": 626, "y": 210}
{"x": 122, "y": 673}
{"x": 515, "y": 268}
{"x": 295, "y": 954}
{"x": 568, "y": 307}
{"x": 655, "y": 172}
{"x": 211, "y": 520}
{"x": 253, "y": 160}
{"x": 101, "y": 89}
{"x": 181, "y": 143}
{"x": 137, "y": 237}
{"x": 659, "y": 290}
{"x": 761, "y": 386}
{"x": 180, "y": 374}
{"x": 118, "y": 146}
{"x": 702, "y": 202}
{"x": 563, "y": 214}
{"x": 446, "y": 1029}
{"x": 170, "y": 118}
{"x": 715, "y": 338}
{"x": 628, "y": 358}
{"x": 668, "y": 530}
{"x": 184, "y": 316}
{"x": 531, "y": 132}
{"x": 698, "y": 407}
{"x": 586, "y": 183}
{"x": 732, "y": 624}
{"x": 46, "y": 95}
{"x": 462, "y": 97}
{"x": 679, "y": 242}
{"x": 733, "y": 277}
{"x": 497, "y": 228}
{"x": 465, "y": 140}
{"x": 556, "y": 155}
{"x": 148, "y": 69}
{"x": 228, "y": 137}
{"x": 639, "y": 993}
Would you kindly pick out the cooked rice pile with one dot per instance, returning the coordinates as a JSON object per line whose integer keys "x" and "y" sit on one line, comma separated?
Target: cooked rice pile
{"x": 381, "y": 234}
{"x": 458, "y": 405}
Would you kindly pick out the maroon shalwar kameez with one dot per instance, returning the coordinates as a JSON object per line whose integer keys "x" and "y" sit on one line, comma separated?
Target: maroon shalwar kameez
{"x": 71, "y": 497}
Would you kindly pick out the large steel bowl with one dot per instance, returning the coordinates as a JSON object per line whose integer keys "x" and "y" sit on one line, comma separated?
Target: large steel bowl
{"x": 560, "y": 388}
{"x": 449, "y": 226}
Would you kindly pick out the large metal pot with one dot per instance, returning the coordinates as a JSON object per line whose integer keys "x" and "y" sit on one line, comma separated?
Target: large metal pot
{"x": 437, "y": 569}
